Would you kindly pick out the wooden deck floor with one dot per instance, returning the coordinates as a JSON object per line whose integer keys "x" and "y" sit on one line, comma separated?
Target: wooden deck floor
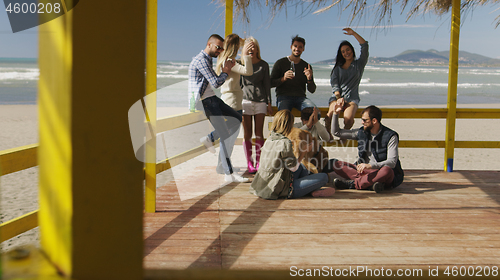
{"x": 433, "y": 219}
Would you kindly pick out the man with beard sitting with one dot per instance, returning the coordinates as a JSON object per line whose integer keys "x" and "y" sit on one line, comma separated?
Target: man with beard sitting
{"x": 378, "y": 166}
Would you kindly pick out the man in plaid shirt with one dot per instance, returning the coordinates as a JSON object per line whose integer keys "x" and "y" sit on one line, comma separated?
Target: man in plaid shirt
{"x": 201, "y": 74}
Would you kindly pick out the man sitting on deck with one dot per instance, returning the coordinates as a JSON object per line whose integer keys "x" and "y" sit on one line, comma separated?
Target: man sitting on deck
{"x": 378, "y": 164}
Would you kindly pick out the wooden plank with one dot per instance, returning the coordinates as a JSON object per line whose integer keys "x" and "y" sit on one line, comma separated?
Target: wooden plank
{"x": 18, "y": 225}
{"x": 204, "y": 258}
{"x": 90, "y": 188}
{"x": 264, "y": 239}
{"x": 272, "y": 273}
{"x": 433, "y": 218}
{"x": 180, "y": 120}
{"x": 420, "y": 144}
{"x": 274, "y": 242}
{"x": 282, "y": 262}
{"x": 182, "y": 157}
{"x": 469, "y": 113}
{"x": 150, "y": 102}
{"x": 17, "y": 159}
{"x": 478, "y": 144}
{"x": 335, "y": 251}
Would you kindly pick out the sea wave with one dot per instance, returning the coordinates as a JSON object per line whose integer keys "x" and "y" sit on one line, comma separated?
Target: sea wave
{"x": 322, "y": 82}
{"x": 174, "y": 65}
{"x": 175, "y": 76}
{"x": 326, "y": 82}
{"x": 427, "y": 85}
{"x": 19, "y": 74}
{"x": 481, "y": 72}
{"x": 443, "y": 70}
{"x": 407, "y": 69}
{"x": 168, "y": 72}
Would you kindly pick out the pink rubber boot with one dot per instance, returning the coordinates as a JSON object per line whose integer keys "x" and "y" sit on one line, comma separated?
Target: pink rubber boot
{"x": 247, "y": 145}
{"x": 258, "y": 146}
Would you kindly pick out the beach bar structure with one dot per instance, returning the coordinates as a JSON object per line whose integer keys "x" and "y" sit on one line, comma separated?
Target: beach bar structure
{"x": 98, "y": 221}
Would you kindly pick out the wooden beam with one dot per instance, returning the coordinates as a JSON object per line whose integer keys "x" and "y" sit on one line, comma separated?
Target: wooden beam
{"x": 179, "y": 120}
{"x": 470, "y": 113}
{"x": 150, "y": 110}
{"x": 452, "y": 87}
{"x": 55, "y": 155}
{"x": 477, "y": 144}
{"x": 182, "y": 157}
{"x": 17, "y": 159}
{"x": 229, "y": 17}
{"x": 18, "y": 225}
{"x": 91, "y": 184}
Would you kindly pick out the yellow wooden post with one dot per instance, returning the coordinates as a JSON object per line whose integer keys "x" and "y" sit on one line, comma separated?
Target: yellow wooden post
{"x": 1, "y": 265}
{"x": 92, "y": 63}
{"x": 452, "y": 87}
{"x": 55, "y": 155}
{"x": 229, "y": 17}
{"x": 152, "y": 21}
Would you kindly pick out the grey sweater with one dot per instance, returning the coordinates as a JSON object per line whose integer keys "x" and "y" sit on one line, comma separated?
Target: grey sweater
{"x": 257, "y": 87}
{"x": 346, "y": 81}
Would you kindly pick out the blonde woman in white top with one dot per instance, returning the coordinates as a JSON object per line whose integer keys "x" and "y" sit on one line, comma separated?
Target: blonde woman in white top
{"x": 232, "y": 94}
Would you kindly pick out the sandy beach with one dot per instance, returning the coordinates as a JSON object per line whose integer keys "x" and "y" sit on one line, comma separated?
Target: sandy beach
{"x": 19, "y": 126}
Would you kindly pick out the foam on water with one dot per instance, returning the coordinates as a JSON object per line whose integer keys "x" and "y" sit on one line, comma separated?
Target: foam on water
{"x": 322, "y": 82}
{"x": 172, "y": 76}
{"x": 29, "y": 74}
{"x": 381, "y": 84}
{"x": 427, "y": 85}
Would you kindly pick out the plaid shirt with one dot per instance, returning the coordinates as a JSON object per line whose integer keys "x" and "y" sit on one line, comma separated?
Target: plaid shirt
{"x": 201, "y": 73}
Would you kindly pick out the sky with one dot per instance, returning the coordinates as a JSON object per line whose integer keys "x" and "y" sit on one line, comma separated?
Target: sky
{"x": 184, "y": 26}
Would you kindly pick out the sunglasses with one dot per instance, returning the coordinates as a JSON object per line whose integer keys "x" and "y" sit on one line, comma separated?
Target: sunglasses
{"x": 364, "y": 120}
{"x": 219, "y": 47}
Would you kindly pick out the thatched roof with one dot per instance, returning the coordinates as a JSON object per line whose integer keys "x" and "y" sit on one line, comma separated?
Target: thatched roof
{"x": 357, "y": 9}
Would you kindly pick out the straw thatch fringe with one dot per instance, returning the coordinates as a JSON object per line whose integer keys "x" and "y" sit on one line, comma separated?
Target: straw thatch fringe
{"x": 357, "y": 9}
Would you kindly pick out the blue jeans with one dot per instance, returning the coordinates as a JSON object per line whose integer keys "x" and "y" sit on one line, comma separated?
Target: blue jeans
{"x": 303, "y": 183}
{"x": 214, "y": 135}
{"x": 226, "y": 122}
{"x": 289, "y": 102}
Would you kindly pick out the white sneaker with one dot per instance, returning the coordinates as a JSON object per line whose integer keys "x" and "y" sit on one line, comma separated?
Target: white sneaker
{"x": 235, "y": 178}
{"x": 205, "y": 140}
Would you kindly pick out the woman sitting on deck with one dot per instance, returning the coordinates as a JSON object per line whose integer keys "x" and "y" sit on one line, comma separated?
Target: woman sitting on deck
{"x": 280, "y": 173}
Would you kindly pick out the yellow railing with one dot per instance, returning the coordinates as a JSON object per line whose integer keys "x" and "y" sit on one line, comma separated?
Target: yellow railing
{"x": 21, "y": 158}
{"x": 17, "y": 159}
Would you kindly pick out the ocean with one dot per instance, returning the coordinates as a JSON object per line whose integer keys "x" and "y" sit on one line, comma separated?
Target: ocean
{"x": 381, "y": 84}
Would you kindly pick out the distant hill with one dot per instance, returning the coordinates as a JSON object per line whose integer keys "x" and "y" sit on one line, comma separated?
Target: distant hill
{"x": 430, "y": 57}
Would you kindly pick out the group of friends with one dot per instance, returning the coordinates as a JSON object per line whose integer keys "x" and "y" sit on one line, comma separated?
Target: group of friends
{"x": 246, "y": 99}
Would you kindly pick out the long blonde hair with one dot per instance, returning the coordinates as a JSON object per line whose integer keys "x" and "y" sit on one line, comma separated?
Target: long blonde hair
{"x": 256, "y": 44}
{"x": 282, "y": 122}
{"x": 231, "y": 46}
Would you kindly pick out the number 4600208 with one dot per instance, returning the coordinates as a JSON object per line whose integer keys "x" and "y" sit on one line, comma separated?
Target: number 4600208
{"x": 34, "y": 8}
{"x": 471, "y": 271}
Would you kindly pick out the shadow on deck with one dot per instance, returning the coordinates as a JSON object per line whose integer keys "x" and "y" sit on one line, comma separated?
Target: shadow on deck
{"x": 434, "y": 218}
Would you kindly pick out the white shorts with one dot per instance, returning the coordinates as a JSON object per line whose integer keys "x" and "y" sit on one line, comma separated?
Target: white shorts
{"x": 253, "y": 108}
